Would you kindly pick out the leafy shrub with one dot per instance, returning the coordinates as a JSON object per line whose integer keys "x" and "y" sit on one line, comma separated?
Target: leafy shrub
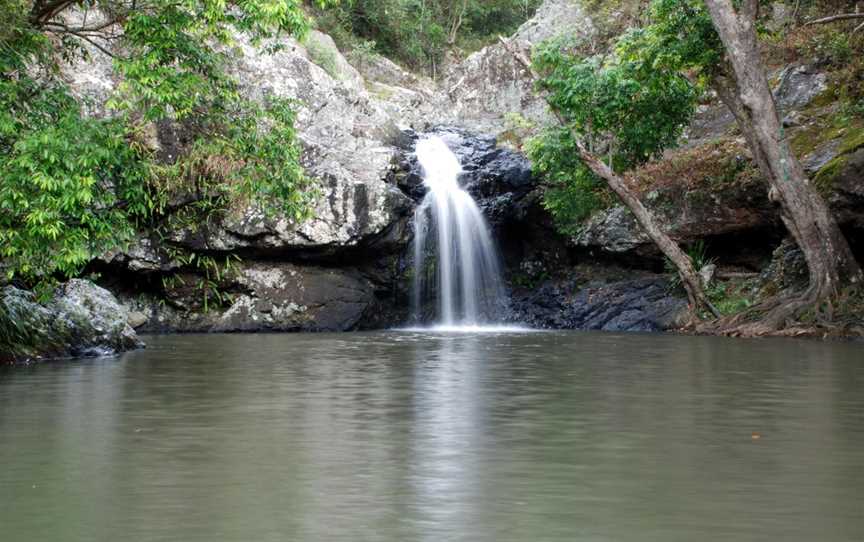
{"x": 572, "y": 193}
{"x": 73, "y": 186}
{"x": 624, "y": 110}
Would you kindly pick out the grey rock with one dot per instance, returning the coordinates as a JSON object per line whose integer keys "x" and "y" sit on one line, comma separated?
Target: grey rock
{"x": 555, "y": 18}
{"x": 847, "y": 198}
{"x": 378, "y": 69}
{"x": 706, "y": 274}
{"x": 787, "y": 270}
{"x": 798, "y": 86}
{"x": 272, "y": 296}
{"x": 823, "y": 154}
{"x": 321, "y": 50}
{"x": 345, "y": 132}
{"x": 480, "y": 92}
{"x": 80, "y": 320}
{"x": 614, "y": 230}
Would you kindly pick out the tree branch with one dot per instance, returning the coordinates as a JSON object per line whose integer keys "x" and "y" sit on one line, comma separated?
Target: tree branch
{"x": 689, "y": 278}
{"x": 831, "y": 19}
{"x": 74, "y": 29}
{"x": 89, "y": 39}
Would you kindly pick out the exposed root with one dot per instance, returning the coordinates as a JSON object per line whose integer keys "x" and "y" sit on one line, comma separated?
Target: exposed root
{"x": 806, "y": 314}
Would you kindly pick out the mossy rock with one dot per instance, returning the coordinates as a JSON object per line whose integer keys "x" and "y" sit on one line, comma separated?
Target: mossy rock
{"x": 825, "y": 178}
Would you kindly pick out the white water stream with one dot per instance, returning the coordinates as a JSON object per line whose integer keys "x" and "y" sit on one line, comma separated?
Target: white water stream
{"x": 454, "y": 256}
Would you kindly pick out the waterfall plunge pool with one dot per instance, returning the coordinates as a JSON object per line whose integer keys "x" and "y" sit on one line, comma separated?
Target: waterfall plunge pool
{"x": 412, "y": 436}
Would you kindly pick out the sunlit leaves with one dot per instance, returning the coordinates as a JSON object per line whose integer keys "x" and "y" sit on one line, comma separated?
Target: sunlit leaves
{"x": 72, "y": 187}
{"x": 65, "y": 189}
{"x": 627, "y": 107}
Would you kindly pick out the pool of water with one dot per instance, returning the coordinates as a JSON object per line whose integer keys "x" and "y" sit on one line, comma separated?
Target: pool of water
{"x": 418, "y": 436}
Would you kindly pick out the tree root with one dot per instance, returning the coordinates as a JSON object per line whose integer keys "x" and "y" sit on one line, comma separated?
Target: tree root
{"x": 795, "y": 315}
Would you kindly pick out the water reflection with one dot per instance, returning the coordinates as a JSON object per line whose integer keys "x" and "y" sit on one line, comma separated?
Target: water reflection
{"x": 416, "y": 436}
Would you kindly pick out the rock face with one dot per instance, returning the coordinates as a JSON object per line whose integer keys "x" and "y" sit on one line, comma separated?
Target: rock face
{"x": 688, "y": 213}
{"x": 347, "y": 266}
{"x": 323, "y": 273}
{"x": 270, "y": 296}
{"x": 346, "y": 135}
{"x": 556, "y": 18}
{"x": 80, "y": 320}
{"x": 798, "y": 86}
{"x": 643, "y": 304}
{"x": 490, "y": 89}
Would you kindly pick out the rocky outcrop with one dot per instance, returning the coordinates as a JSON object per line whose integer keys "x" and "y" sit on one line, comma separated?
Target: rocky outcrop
{"x": 80, "y": 320}
{"x": 266, "y": 296}
{"x": 331, "y": 263}
{"x": 798, "y": 85}
{"x": 642, "y": 304}
{"x": 490, "y": 89}
{"x": 711, "y": 192}
{"x": 556, "y": 18}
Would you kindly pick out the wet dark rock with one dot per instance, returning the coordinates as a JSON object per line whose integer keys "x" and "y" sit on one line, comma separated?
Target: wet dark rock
{"x": 642, "y": 304}
{"x": 497, "y": 178}
{"x": 787, "y": 270}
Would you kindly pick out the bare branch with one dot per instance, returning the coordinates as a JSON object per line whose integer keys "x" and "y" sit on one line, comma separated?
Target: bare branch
{"x": 831, "y": 19}
{"x": 71, "y": 29}
{"x": 84, "y": 37}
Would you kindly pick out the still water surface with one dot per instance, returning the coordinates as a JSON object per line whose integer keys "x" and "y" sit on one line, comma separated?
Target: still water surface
{"x": 409, "y": 436}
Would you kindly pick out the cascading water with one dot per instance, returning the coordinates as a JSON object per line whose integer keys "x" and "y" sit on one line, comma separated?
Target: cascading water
{"x": 454, "y": 255}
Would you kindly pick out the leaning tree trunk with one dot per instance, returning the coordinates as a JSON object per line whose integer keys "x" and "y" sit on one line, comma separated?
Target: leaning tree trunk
{"x": 830, "y": 262}
{"x": 690, "y": 279}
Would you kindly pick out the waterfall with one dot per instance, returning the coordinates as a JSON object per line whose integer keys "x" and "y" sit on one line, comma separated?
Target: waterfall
{"x": 455, "y": 258}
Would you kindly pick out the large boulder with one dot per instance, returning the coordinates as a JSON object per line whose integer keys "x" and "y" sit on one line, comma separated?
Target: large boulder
{"x": 642, "y": 304}
{"x": 555, "y": 18}
{"x": 345, "y": 133}
{"x": 712, "y": 191}
{"x": 80, "y": 320}
{"x": 490, "y": 89}
{"x": 268, "y": 296}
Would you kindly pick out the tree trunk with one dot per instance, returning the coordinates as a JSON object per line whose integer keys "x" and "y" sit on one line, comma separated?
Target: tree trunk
{"x": 829, "y": 259}
{"x": 690, "y": 279}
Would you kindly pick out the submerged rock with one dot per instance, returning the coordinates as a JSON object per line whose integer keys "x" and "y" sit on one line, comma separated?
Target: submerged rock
{"x": 80, "y": 320}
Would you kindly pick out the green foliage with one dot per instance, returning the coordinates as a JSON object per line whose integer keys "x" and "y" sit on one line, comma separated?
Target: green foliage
{"x": 680, "y": 37}
{"x": 363, "y": 51}
{"x": 572, "y": 192}
{"x": 72, "y": 187}
{"x": 418, "y": 33}
{"x": 17, "y": 335}
{"x": 208, "y": 281}
{"x": 730, "y": 297}
{"x": 622, "y": 108}
{"x": 698, "y": 254}
{"x": 633, "y": 109}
